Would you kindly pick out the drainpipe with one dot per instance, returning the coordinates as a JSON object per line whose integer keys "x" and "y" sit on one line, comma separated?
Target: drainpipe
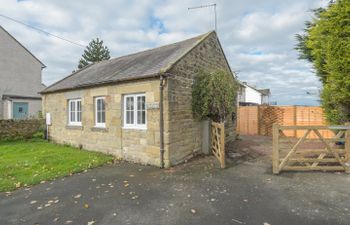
{"x": 161, "y": 121}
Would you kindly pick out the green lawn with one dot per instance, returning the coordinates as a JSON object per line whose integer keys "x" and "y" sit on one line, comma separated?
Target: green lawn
{"x": 30, "y": 162}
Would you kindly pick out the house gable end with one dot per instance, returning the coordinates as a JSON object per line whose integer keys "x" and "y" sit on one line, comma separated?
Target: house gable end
{"x": 183, "y": 127}
{"x": 22, "y": 46}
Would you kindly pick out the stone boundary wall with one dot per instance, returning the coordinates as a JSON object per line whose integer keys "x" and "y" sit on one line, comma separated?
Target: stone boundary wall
{"x": 17, "y": 129}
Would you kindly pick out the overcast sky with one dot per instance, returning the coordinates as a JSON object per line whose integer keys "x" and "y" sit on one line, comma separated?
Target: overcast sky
{"x": 258, "y": 36}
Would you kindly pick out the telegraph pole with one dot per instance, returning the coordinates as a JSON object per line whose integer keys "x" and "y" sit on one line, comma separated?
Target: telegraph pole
{"x": 207, "y": 6}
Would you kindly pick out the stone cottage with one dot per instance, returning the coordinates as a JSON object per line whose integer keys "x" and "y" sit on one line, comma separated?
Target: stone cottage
{"x": 137, "y": 107}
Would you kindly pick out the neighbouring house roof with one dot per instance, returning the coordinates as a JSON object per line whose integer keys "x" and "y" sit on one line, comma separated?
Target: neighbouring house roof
{"x": 20, "y": 97}
{"x": 42, "y": 64}
{"x": 265, "y": 91}
{"x": 262, "y": 91}
{"x": 145, "y": 64}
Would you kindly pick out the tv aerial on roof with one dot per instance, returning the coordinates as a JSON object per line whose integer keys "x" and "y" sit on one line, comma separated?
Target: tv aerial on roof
{"x": 207, "y": 6}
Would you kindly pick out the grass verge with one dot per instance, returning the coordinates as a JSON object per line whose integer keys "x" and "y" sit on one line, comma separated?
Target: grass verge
{"x": 28, "y": 162}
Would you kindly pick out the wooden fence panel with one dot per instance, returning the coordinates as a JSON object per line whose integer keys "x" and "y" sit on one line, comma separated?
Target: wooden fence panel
{"x": 247, "y": 120}
{"x": 311, "y": 116}
{"x": 253, "y": 120}
{"x": 218, "y": 142}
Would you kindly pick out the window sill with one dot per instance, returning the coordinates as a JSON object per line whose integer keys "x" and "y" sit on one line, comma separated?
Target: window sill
{"x": 134, "y": 128}
{"x": 99, "y": 129}
{"x": 74, "y": 127}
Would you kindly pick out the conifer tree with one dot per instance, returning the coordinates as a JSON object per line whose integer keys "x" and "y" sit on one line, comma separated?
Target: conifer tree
{"x": 94, "y": 52}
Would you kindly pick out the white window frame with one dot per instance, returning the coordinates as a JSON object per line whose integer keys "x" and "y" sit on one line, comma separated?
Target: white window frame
{"x": 97, "y": 124}
{"x": 76, "y": 112}
{"x": 134, "y": 125}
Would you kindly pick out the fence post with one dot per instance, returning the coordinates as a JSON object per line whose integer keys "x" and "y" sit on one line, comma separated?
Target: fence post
{"x": 295, "y": 119}
{"x": 275, "y": 148}
{"x": 258, "y": 120}
{"x": 222, "y": 147}
{"x": 347, "y": 149}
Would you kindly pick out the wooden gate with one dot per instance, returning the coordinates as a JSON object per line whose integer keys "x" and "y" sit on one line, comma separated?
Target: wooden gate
{"x": 312, "y": 151}
{"x": 218, "y": 142}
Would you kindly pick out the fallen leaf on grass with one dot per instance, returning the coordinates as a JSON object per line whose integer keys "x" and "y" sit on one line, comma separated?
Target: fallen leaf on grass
{"x": 86, "y": 205}
{"x": 91, "y": 222}
{"x": 68, "y": 222}
{"x": 33, "y": 202}
{"x": 266, "y": 223}
{"x": 56, "y": 219}
{"x": 193, "y": 211}
{"x": 18, "y": 184}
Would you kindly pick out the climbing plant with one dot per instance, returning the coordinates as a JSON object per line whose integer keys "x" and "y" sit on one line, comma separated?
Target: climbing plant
{"x": 214, "y": 95}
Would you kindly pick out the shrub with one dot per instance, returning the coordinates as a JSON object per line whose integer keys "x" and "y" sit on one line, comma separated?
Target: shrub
{"x": 214, "y": 95}
{"x": 39, "y": 135}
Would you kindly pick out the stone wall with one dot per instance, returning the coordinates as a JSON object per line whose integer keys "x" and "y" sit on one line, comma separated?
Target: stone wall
{"x": 17, "y": 129}
{"x": 185, "y": 132}
{"x": 131, "y": 144}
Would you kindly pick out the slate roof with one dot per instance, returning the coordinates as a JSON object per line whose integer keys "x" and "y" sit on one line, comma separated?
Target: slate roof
{"x": 265, "y": 91}
{"x": 262, "y": 91}
{"x": 149, "y": 63}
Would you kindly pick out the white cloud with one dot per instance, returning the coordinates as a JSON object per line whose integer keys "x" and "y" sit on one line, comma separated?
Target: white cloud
{"x": 257, "y": 36}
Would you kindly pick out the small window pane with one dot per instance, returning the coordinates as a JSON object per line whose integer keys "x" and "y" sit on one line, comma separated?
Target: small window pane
{"x": 143, "y": 121}
{"x": 78, "y": 105}
{"x": 103, "y": 117}
{"x": 141, "y": 102}
{"x": 139, "y": 115}
{"x": 72, "y": 116}
{"x": 132, "y": 117}
{"x": 98, "y": 103}
{"x": 129, "y": 103}
{"x": 72, "y": 106}
{"x": 128, "y": 117}
{"x": 102, "y": 104}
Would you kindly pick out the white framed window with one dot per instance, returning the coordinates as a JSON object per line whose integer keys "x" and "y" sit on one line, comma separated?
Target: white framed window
{"x": 100, "y": 112}
{"x": 74, "y": 112}
{"x": 135, "y": 111}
